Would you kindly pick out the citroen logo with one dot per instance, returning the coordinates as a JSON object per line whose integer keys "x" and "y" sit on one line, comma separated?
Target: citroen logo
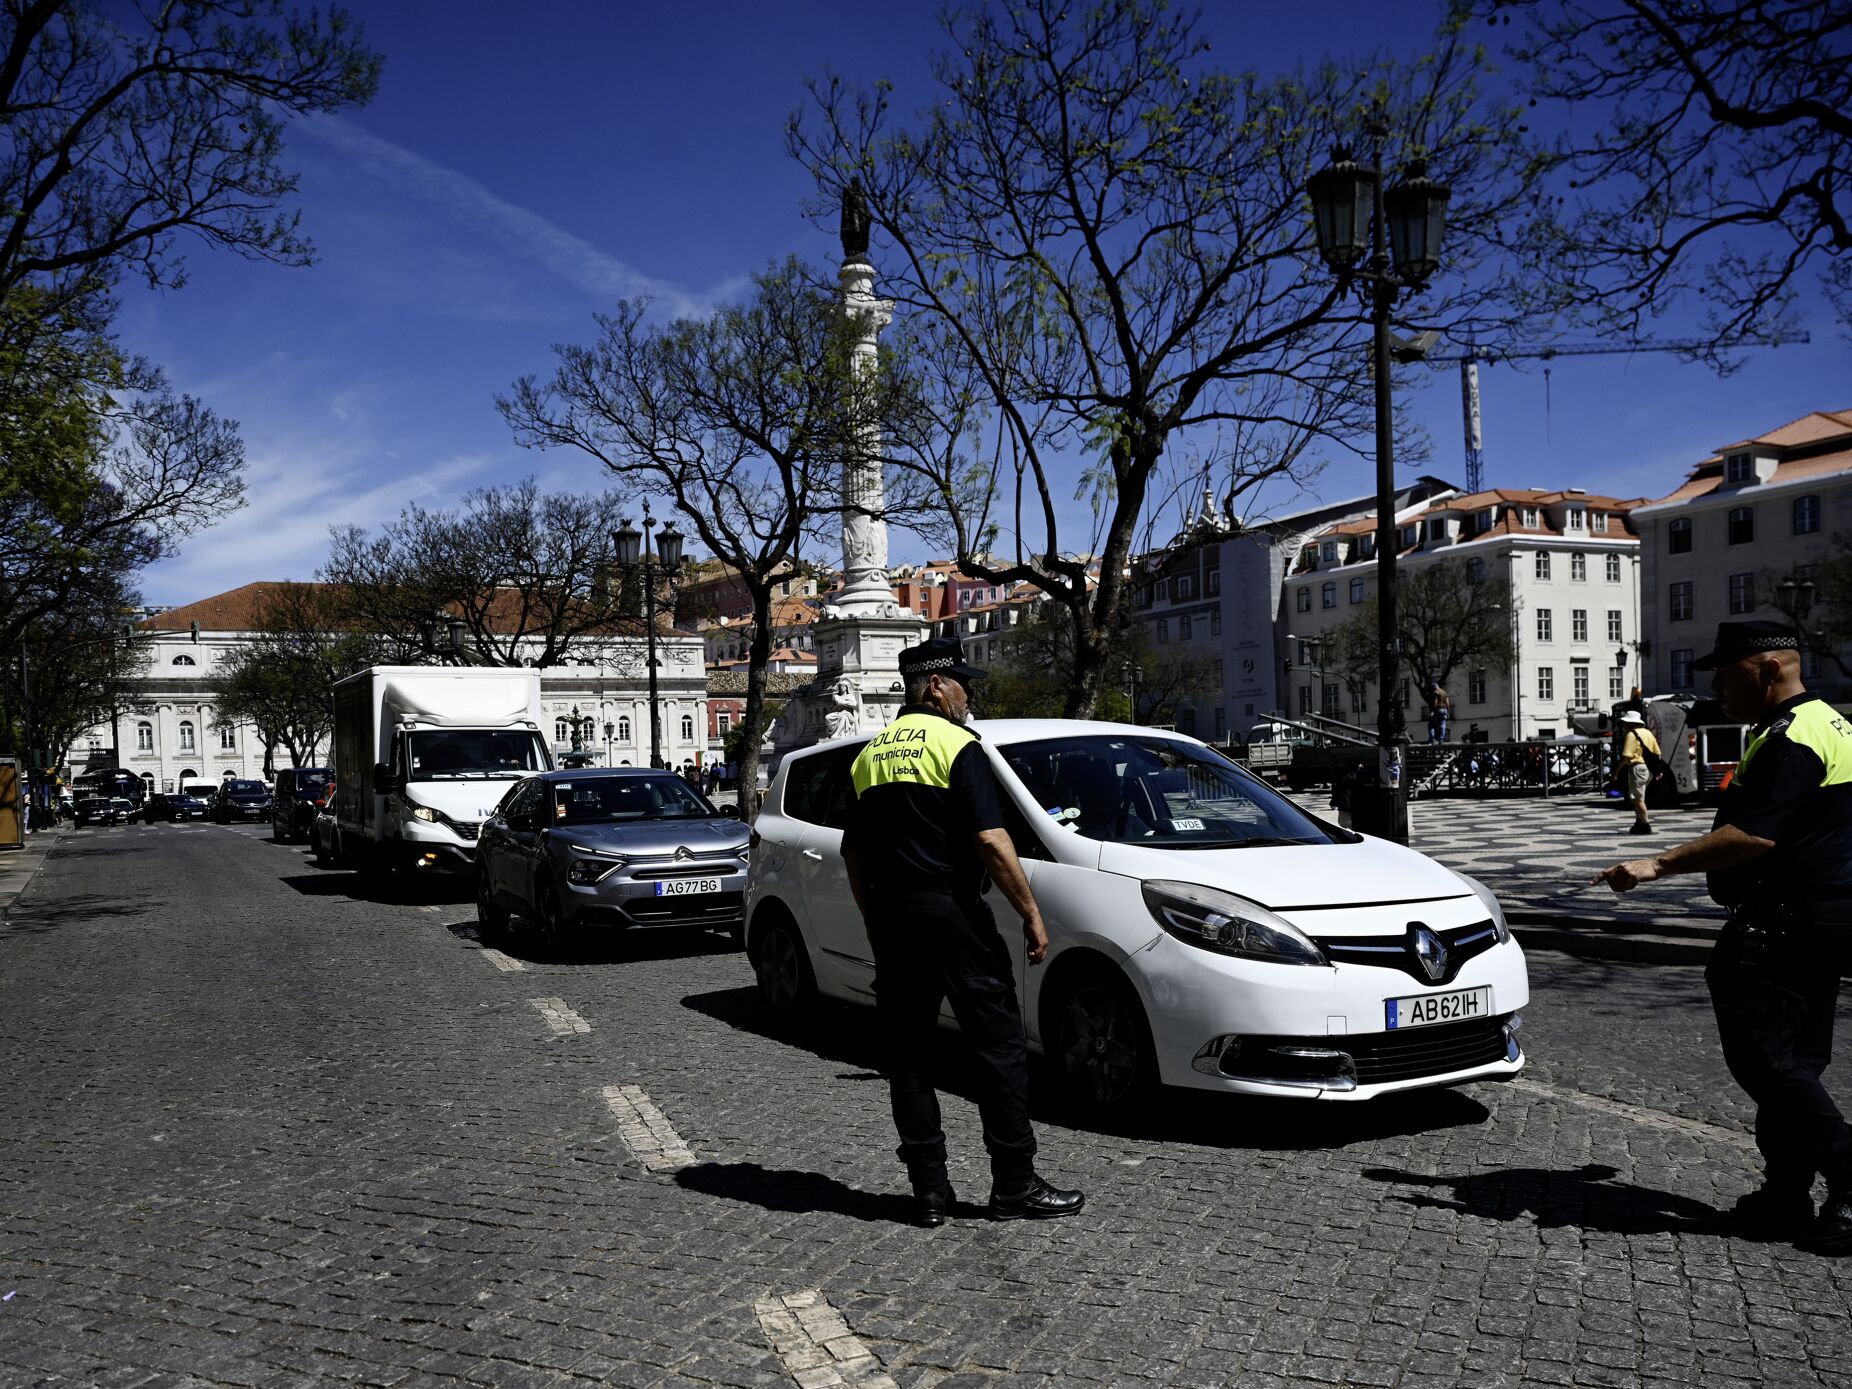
{"x": 1429, "y": 949}
{"x": 683, "y": 854}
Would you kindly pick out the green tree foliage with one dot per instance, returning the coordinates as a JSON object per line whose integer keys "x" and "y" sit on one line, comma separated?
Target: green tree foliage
{"x": 72, "y": 671}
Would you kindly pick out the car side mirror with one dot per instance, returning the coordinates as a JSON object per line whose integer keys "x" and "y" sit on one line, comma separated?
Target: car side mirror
{"x": 730, "y": 812}
{"x": 383, "y": 778}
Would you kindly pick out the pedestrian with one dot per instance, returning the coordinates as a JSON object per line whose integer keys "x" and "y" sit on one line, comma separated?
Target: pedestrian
{"x": 1779, "y": 859}
{"x": 1440, "y": 709}
{"x": 1639, "y": 759}
{"x": 927, "y": 828}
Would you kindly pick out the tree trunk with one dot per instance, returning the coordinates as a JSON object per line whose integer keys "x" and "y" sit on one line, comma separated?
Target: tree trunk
{"x": 1096, "y": 614}
{"x": 753, "y": 719}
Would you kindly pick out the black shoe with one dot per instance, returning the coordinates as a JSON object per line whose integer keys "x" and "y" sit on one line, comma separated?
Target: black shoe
{"x": 1640, "y": 827}
{"x": 930, "y": 1205}
{"x": 1038, "y": 1201}
{"x": 1831, "y": 1230}
{"x": 1775, "y": 1214}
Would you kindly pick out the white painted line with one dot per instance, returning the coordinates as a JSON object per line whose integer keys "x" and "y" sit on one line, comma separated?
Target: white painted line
{"x": 646, "y": 1130}
{"x": 815, "y": 1343}
{"x": 507, "y": 964}
{"x": 560, "y": 1017}
{"x": 1636, "y": 1114}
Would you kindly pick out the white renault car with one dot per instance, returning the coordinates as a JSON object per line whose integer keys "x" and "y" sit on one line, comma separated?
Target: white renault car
{"x": 1203, "y": 930}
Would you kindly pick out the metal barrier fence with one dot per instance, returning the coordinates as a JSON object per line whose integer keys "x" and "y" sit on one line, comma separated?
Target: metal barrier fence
{"x": 1532, "y": 769}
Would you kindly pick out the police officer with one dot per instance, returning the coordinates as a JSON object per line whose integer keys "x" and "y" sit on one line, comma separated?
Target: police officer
{"x": 1779, "y": 858}
{"x": 927, "y": 828}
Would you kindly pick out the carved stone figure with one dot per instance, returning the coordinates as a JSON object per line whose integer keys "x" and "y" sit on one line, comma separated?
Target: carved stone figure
{"x": 855, "y": 221}
{"x": 843, "y": 718}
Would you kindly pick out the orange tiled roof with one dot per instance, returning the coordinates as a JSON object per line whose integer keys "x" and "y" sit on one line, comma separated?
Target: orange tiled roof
{"x": 242, "y": 609}
{"x": 1809, "y": 431}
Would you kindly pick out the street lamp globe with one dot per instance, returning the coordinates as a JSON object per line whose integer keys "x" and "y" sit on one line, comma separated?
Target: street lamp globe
{"x": 1416, "y": 210}
{"x": 629, "y": 544}
{"x": 669, "y": 547}
{"x": 1795, "y": 597}
{"x": 1341, "y": 203}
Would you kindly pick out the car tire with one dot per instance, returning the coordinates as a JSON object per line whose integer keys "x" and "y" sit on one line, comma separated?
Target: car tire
{"x": 1100, "y": 1043}
{"x": 547, "y": 924}
{"x": 491, "y": 916}
{"x": 324, "y": 851}
{"x": 781, "y": 965}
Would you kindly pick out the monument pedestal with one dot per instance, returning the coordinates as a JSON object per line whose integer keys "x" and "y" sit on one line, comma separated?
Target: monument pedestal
{"x": 858, "y": 687}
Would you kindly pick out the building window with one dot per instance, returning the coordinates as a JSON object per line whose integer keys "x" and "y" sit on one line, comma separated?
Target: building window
{"x": 559, "y": 731}
{"x": 623, "y": 730}
{"x": 1330, "y": 701}
{"x": 189, "y": 661}
{"x": 1304, "y": 600}
{"x": 1613, "y": 569}
{"x": 1542, "y": 569}
{"x": 1328, "y": 552}
{"x": 1407, "y": 535}
{"x": 1546, "y": 682}
{"x": 1356, "y": 590}
{"x": 1163, "y": 632}
{"x": 1328, "y": 595}
{"x": 1614, "y": 624}
{"x": 1617, "y": 683}
{"x": 1578, "y": 567}
{"x": 1475, "y": 687}
{"x": 724, "y": 722}
{"x": 144, "y": 737}
{"x": 1221, "y": 723}
{"x": 186, "y": 735}
{"x": 1681, "y": 602}
{"x": 1578, "y": 624}
{"x": 1186, "y": 721}
{"x": 1545, "y": 625}
{"x": 1527, "y": 517}
{"x": 1598, "y": 522}
{"x": 1742, "y": 525}
{"x": 1475, "y": 570}
{"x": 1356, "y": 699}
{"x": 1681, "y": 668}
{"x": 687, "y": 728}
{"x": 1737, "y": 468}
{"x": 1215, "y": 622}
{"x": 1578, "y": 684}
{"x": 1305, "y": 700}
{"x": 1577, "y": 518}
{"x": 1186, "y": 586}
{"x": 1742, "y": 593}
{"x": 1678, "y": 536}
{"x": 1806, "y": 515}
{"x": 228, "y": 738}
{"x": 1184, "y": 627}
{"x": 1810, "y": 665}
{"x": 1214, "y": 583}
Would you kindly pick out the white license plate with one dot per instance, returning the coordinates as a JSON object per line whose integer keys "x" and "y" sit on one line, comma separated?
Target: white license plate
{"x": 1425, "y": 1010}
{"x": 686, "y": 887}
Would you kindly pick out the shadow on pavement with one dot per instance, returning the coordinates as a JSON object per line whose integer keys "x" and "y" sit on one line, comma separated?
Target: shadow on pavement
{"x": 357, "y": 888}
{"x": 1585, "y": 1198}
{"x": 845, "y": 1034}
{"x": 777, "y": 1189}
{"x": 41, "y": 917}
{"x": 617, "y": 947}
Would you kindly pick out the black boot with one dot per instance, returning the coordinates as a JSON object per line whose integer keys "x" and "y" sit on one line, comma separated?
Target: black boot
{"x": 931, "y": 1204}
{"x": 1773, "y": 1213}
{"x": 1831, "y": 1230}
{"x": 1037, "y": 1201}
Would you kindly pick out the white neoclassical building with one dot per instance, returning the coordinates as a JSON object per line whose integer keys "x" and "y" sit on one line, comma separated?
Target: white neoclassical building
{"x": 168, "y": 733}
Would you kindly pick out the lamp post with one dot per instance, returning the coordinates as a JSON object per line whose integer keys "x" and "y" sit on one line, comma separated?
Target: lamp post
{"x": 610, "y": 731}
{"x": 1384, "y": 241}
{"x": 634, "y": 556}
{"x": 1795, "y": 596}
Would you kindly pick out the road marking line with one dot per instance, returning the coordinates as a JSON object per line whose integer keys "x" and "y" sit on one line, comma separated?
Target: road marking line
{"x": 1646, "y": 1118}
{"x": 646, "y": 1130}
{"x": 560, "y": 1016}
{"x": 507, "y": 964}
{"x": 815, "y": 1343}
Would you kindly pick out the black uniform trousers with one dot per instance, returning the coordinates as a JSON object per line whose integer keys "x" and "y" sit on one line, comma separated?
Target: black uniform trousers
{"x": 1775, "y": 989}
{"x": 929, "y": 947}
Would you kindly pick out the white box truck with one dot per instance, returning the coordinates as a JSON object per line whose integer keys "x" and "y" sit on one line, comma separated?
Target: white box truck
{"x": 422, "y": 755}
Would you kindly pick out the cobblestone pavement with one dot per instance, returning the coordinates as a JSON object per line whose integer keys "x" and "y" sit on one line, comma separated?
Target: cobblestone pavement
{"x": 257, "y": 1131}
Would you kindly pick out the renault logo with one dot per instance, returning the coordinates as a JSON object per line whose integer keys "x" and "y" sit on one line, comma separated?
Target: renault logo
{"x": 683, "y": 854}
{"x": 1429, "y": 949}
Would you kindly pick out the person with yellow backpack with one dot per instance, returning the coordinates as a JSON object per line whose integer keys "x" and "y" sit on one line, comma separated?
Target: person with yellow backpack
{"x": 1640, "y": 761}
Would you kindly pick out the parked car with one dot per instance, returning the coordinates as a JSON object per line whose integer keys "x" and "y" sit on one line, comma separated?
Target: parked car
{"x": 241, "y": 800}
{"x": 299, "y": 795}
{"x": 178, "y": 805}
{"x": 1204, "y": 931}
{"x": 101, "y": 810}
{"x": 610, "y": 849}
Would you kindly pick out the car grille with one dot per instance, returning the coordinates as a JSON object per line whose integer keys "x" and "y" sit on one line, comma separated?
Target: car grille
{"x": 1375, "y": 1058}
{"x": 466, "y": 832}
{"x": 703, "y": 907}
{"x": 698, "y": 868}
{"x": 1397, "y": 952}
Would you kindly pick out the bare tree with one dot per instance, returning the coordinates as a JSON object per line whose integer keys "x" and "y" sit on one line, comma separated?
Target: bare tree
{"x": 1446, "y": 621}
{"x": 1704, "y": 151}
{"x": 743, "y": 419}
{"x": 1102, "y": 253}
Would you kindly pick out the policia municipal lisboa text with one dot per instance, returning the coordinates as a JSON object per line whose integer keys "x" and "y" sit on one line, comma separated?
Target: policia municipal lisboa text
{"x": 927, "y": 827}
{"x": 1779, "y": 857}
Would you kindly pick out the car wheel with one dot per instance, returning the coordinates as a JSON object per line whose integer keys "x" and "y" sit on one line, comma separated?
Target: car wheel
{"x": 548, "y": 924}
{"x": 491, "y": 915}
{"x": 781, "y": 964}
{"x": 324, "y": 851}
{"x": 1102, "y": 1049}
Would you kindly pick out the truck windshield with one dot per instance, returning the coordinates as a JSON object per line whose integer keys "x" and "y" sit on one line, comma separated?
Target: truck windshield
{"x": 453, "y": 754}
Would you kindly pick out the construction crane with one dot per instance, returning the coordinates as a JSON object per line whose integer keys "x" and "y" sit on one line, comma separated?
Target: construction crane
{"x": 1470, "y": 359}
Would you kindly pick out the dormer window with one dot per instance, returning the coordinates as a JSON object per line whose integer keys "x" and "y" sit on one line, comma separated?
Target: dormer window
{"x": 1738, "y": 468}
{"x": 1407, "y": 536}
{"x": 1527, "y": 517}
{"x": 1328, "y": 552}
{"x": 1598, "y": 522}
{"x": 1487, "y": 519}
{"x": 1577, "y": 518}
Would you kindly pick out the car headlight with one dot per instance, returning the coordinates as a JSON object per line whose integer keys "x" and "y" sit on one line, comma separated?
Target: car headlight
{"x": 1490, "y": 903}
{"x": 423, "y": 812}
{"x": 1210, "y": 919}
{"x": 584, "y": 872}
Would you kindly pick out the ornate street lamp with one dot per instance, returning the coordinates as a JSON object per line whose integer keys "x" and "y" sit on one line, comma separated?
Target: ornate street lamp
{"x": 633, "y": 552}
{"x": 1386, "y": 242}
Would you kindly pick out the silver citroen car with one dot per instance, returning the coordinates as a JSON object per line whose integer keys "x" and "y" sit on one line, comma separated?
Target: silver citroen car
{"x": 579, "y": 854}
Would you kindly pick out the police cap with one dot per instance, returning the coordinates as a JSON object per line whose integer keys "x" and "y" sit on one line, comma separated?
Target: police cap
{"x": 939, "y": 656}
{"x": 1736, "y": 640}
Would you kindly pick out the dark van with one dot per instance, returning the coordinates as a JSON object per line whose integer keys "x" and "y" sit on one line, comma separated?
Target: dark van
{"x": 299, "y": 794}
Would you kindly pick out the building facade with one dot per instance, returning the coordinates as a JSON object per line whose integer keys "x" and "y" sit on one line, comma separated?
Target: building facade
{"x": 1751, "y": 515}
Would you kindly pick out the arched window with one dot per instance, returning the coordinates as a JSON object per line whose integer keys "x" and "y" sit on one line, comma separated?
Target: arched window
{"x": 559, "y": 731}
{"x": 185, "y": 661}
{"x": 228, "y": 738}
{"x": 186, "y": 735}
{"x": 687, "y": 728}
{"x": 623, "y": 732}
{"x": 144, "y": 737}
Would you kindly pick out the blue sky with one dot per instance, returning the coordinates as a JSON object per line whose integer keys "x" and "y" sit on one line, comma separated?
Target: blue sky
{"x": 525, "y": 166}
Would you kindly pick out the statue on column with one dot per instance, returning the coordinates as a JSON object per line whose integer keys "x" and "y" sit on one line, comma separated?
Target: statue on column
{"x": 856, "y": 221}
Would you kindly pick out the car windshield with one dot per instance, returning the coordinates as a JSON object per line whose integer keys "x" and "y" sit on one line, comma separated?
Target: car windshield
{"x": 244, "y": 788}
{"x": 453, "y": 754}
{"x": 313, "y": 781}
{"x": 611, "y": 799}
{"x": 1157, "y": 792}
